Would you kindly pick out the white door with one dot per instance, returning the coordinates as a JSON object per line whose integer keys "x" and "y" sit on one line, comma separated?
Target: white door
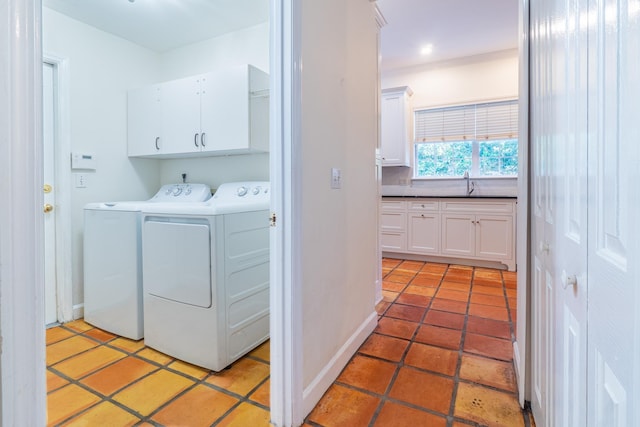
{"x": 569, "y": 145}
{"x": 585, "y": 303}
{"x": 49, "y": 189}
{"x": 614, "y": 199}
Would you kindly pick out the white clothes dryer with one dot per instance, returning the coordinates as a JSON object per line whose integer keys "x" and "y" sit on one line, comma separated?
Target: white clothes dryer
{"x": 206, "y": 275}
{"x": 112, "y": 258}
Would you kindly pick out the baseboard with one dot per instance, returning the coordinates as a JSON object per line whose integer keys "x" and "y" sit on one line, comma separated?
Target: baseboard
{"x": 78, "y": 311}
{"x": 516, "y": 367}
{"x": 312, "y": 393}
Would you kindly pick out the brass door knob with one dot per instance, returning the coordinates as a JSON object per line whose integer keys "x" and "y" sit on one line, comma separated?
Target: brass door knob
{"x": 48, "y": 208}
{"x": 46, "y": 188}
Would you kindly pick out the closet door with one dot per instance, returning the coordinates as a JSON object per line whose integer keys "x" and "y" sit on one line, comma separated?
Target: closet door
{"x": 570, "y": 147}
{"x": 614, "y": 200}
{"x": 542, "y": 220}
{"x": 559, "y": 214}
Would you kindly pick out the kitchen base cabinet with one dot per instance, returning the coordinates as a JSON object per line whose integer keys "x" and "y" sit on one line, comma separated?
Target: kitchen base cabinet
{"x": 458, "y": 233}
{"x": 478, "y": 232}
{"x": 393, "y": 226}
{"x": 423, "y": 225}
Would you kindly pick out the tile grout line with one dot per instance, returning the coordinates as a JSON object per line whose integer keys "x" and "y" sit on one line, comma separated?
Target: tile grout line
{"x": 456, "y": 377}
{"x": 128, "y": 353}
{"x": 400, "y": 364}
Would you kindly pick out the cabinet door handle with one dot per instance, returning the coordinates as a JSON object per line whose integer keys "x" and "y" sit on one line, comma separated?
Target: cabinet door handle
{"x": 195, "y": 140}
{"x": 157, "y": 146}
{"x": 202, "y": 140}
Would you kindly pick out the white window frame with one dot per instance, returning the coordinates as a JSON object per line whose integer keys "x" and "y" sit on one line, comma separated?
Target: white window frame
{"x": 463, "y": 123}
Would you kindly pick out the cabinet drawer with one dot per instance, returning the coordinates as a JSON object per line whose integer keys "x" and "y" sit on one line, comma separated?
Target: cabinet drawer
{"x": 393, "y": 221}
{"x": 393, "y": 205}
{"x": 393, "y": 242}
{"x": 474, "y": 206}
{"x": 423, "y": 205}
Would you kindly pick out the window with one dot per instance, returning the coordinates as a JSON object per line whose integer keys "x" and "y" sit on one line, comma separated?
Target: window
{"x": 481, "y": 139}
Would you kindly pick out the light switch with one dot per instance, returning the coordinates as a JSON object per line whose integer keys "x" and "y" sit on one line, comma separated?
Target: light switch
{"x": 336, "y": 178}
{"x": 81, "y": 180}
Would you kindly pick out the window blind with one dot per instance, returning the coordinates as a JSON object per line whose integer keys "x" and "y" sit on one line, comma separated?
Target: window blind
{"x": 493, "y": 120}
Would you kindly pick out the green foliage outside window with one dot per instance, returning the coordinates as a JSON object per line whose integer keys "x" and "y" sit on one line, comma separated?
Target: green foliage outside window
{"x": 453, "y": 159}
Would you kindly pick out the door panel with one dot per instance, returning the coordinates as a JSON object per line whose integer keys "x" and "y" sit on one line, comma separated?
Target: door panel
{"x": 494, "y": 236}
{"x": 424, "y": 232}
{"x": 458, "y": 235}
{"x": 177, "y": 262}
{"x": 614, "y": 299}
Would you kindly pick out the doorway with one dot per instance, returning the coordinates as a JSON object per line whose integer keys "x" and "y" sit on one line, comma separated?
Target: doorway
{"x": 55, "y": 188}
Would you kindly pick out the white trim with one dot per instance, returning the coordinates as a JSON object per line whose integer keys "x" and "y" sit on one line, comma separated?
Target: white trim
{"x": 523, "y": 228}
{"x": 77, "y": 312}
{"x": 22, "y": 335}
{"x": 314, "y": 391}
{"x": 64, "y": 291}
{"x": 286, "y": 295}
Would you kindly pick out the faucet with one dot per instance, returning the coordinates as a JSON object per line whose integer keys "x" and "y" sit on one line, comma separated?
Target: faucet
{"x": 473, "y": 185}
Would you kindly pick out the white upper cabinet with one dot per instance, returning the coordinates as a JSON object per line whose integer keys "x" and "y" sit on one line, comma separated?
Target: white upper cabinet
{"x": 217, "y": 113}
{"x": 144, "y": 132}
{"x": 396, "y": 126}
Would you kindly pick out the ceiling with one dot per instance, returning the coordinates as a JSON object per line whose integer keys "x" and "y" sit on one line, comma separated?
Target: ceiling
{"x": 162, "y": 25}
{"x": 455, "y": 28}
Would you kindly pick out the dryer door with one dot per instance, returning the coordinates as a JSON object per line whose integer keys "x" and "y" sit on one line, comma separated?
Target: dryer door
{"x": 176, "y": 260}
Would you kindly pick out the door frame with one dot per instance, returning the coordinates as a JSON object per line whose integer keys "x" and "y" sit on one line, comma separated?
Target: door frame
{"x": 522, "y": 345}
{"x": 62, "y": 148}
{"x": 22, "y": 335}
{"x": 286, "y": 257}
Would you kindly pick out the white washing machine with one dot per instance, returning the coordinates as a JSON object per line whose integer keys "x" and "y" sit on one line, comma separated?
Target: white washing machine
{"x": 206, "y": 275}
{"x": 112, "y": 258}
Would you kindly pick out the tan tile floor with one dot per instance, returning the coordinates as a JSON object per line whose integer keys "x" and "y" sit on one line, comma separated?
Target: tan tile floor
{"x": 440, "y": 356}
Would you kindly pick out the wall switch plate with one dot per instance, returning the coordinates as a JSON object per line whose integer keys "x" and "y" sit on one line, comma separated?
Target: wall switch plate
{"x": 336, "y": 178}
{"x": 81, "y": 180}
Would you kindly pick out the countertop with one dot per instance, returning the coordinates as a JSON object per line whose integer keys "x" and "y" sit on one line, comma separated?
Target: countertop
{"x": 447, "y": 197}
{"x": 450, "y": 190}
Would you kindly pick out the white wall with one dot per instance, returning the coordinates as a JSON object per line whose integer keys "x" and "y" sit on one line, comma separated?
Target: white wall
{"x": 102, "y": 67}
{"x": 339, "y": 83}
{"x": 463, "y": 81}
{"x": 248, "y": 46}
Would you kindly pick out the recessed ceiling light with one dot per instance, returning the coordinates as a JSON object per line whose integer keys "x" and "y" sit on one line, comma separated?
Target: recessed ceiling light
{"x": 427, "y": 50}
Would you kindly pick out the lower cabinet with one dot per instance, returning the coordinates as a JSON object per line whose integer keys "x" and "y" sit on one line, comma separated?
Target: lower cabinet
{"x": 393, "y": 223}
{"x": 481, "y": 229}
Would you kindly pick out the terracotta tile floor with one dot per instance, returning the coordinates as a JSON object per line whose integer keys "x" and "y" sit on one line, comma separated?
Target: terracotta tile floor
{"x": 441, "y": 356}
{"x": 95, "y": 378}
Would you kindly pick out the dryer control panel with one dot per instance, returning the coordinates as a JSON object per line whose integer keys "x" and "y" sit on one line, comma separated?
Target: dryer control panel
{"x": 243, "y": 196}
{"x": 182, "y": 193}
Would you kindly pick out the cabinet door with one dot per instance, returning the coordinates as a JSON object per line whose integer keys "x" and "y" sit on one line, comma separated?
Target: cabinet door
{"x": 394, "y": 146}
{"x": 494, "y": 237}
{"x": 424, "y": 232}
{"x": 458, "y": 235}
{"x": 181, "y": 115}
{"x": 225, "y": 109}
{"x": 144, "y": 124}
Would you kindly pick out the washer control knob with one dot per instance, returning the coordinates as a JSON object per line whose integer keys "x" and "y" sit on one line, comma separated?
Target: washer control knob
{"x": 187, "y": 191}
{"x": 242, "y": 191}
{"x": 256, "y": 190}
{"x": 177, "y": 190}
